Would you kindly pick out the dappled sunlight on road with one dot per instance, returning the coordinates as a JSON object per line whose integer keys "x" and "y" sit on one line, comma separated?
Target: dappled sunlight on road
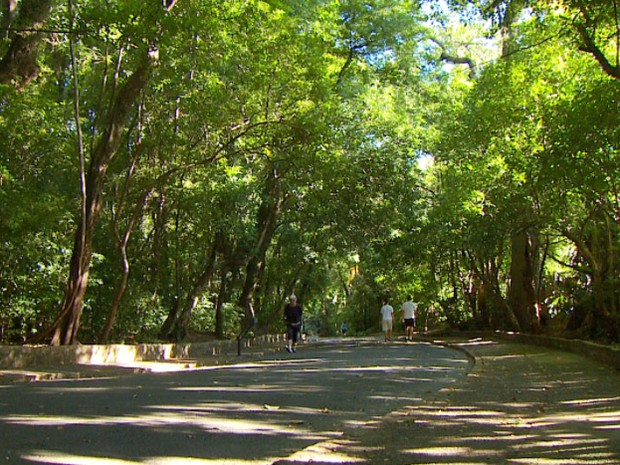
{"x": 507, "y": 436}
{"x": 250, "y": 388}
{"x": 518, "y": 406}
{"x": 327, "y": 452}
{"x": 446, "y": 451}
{"x": 54, "y": 458}
{"x": 232, "y": 408}
{"x": 596, "y": 401}
{"x": 211, "y": 423}
{"x": 522, "y": 405}
{"x": 287, "y": 406}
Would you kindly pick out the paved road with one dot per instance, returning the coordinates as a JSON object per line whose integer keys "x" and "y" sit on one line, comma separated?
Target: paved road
{"x": 256, "y": 413}
{"x": 519, "y": 405}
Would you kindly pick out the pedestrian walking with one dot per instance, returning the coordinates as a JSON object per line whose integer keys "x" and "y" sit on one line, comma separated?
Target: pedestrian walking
{"x": 409, "y": 308}
{"x": 292, "y": 315}
{"x": 387, "y": 313}
{"x": 343, "y": 329}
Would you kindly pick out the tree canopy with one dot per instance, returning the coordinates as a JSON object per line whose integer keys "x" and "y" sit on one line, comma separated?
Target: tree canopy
{"x": 178, "y": 168}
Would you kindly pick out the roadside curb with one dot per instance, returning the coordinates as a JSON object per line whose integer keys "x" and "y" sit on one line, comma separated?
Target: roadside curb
{"x": 33, "y": 357}
{"x": 456, "y": 345}
{"x": 607, "y": 355}
{"x": 34, "y": 363}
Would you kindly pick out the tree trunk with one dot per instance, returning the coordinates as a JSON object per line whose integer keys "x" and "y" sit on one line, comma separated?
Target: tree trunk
{"x": 160, "y": 258}
{"x": 161, "y": 277}
{"x": 221, "y": 297}
{"x": 599, "y": 318}
{"x": 19, "y": 64}
{"x": 483, "y": 306}
{"x": 7, "y": 14}
{"x": 268, "y": 214}
{"x": 612, "y": 260}
{"x": 118, "y": 296}
{"x": 510, "y": 15}
{"x": 464, "y": 281}
{"x": 521, "y": 294}
{"x": 475, "y": 291}
{"x": 176, "y": 325}
{"x": 122, "y": 243}
{"x": 508, "y": 319}
{"x": 166, "y": 327}
{"x": 181, "y": 325}
{"x": 490, "y": 300}
{"x": 64, "y": 329}
{"x": 542, "y": 314}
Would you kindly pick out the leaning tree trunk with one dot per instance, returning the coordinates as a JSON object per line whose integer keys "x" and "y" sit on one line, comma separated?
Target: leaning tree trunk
{"x": 219, "y": 304}
{"x": 122, "y": 242}
{"x": 64, "y": 329}
{"x": 19, "y": 64}
{"x": 521, "y": 294}
{"x": 267, "y": 220}
{"x": 599, "y": 318}
{"x": 181, "y": 324}
{"x": 7, "y": 13}
{"x": 119, "y": 292}
{"x": 490, "y": 298}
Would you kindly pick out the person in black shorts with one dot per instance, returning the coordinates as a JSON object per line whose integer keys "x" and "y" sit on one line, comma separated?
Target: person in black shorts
{"x": 409, "y": 309}
{"x": 292, "y": 314}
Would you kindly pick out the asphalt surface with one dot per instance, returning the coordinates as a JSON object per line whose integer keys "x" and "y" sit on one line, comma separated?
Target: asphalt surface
{"x": 520, "y": 404}
{"x": 277, "y": 410}
{"x": 346, "y": 402}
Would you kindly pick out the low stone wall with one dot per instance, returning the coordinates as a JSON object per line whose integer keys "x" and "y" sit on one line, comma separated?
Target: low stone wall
{"x": 23, "y": 357}
{"x": 19, "y": 357}
{"x": 609, "y": 355}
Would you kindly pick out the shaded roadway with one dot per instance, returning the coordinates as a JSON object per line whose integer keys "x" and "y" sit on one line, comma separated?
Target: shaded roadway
{"x": 254, "y": 413}
{"x": 349, "y": 403}
{"x": 521, "y": 404}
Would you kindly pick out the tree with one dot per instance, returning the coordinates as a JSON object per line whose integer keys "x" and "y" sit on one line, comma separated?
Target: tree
{"x": 517, "y": 129}
{"x": 65, "y": 328}
{"x": 24, "y": 25}
{"x": 276, "y": 147}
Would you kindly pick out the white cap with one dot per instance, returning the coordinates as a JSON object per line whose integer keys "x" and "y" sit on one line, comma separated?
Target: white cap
{"x": 293, "y": 297}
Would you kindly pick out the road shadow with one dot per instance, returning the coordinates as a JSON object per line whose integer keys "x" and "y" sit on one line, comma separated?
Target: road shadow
{"x": 252, "y": 413}
{"x": 521, "y": 405}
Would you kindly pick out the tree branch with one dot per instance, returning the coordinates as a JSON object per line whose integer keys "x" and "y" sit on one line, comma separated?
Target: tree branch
{"x": 588, "y": 45}
{"x": 449, "y": 58}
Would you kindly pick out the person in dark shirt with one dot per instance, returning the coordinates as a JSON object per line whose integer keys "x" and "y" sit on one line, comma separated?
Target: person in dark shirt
{"x": 292, "y": 314}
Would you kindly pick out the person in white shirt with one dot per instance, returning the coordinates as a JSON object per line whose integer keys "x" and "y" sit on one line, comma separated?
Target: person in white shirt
{"x": 409, "y": 308}
{"x": 387, "y": 312}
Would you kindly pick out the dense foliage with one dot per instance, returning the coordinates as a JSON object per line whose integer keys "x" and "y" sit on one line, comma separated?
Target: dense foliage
{"x": 178, "y": 168}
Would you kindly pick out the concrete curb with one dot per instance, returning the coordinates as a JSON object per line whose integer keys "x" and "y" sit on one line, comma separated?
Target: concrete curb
{"x": 224, "y": 351}
{"x": 607, "y": 355}
{"x": 455, "y": 345}
{"x": 20, "y": 357}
